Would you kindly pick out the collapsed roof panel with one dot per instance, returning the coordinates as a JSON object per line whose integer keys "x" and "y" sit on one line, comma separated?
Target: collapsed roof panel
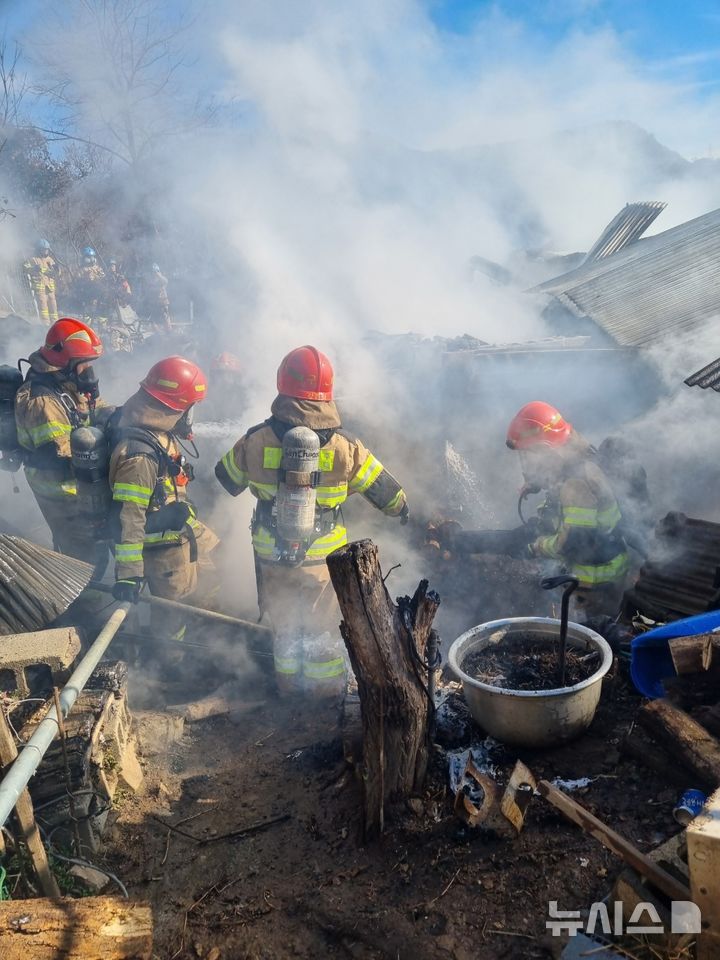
{"x": 629, "y": 225}
{"x": 709, "y": 376}
{"x": 663, "y": 284}
{"x": 36, "y": 585}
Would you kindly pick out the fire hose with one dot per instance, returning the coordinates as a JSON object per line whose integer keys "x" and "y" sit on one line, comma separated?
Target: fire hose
{"x": 190, "y": 609}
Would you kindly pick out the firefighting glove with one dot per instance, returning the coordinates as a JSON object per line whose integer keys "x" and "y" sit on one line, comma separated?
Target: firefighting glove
{"x": 128, "y": 591}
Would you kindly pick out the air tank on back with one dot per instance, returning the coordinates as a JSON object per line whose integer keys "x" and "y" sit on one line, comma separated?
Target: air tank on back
{"x": 296, "y": 489}
{"x": 90, "y": 455}
{"x": 10, "y": 381}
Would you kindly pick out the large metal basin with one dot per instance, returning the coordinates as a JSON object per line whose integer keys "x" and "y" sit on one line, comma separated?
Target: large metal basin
{"x": 531, "y": 718}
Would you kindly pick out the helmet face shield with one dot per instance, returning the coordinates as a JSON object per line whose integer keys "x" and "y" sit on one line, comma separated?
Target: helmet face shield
{"x": 183, "y": 428}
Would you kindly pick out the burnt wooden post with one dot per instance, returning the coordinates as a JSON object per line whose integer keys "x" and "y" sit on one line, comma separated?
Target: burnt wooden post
{"x": 386, "y": 644}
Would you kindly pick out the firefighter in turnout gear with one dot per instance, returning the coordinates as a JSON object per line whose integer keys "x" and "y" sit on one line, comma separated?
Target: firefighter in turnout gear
{"x": 157, "y": 537}
{"x": 89, "y": 285}
{"x": 581, "y": 521}
{"x": 301, "y": 466}
{"x": 43, "y": 272}
{"x": 58, "y": 395}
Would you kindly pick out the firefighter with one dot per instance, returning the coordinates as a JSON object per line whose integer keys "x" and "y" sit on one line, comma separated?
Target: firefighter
{"x": 581, "y": 521}
{"x": 293, "y": 580}
{"x": 43, "y": 272}
{"x": 155, "y": 300}
{"x": 89, "y": 284}
{"x": 117, "y": 286}
{"x": 157, "y": 537}
{"x": 229, "y": 397}
{"x": 59, "y": 393}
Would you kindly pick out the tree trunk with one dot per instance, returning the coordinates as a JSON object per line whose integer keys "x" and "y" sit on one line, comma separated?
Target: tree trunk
{"x": 386, "y": 644}
{"x": 640, "y": 747}
{"x": 686, "y": 741}
{"x": 94, "y": 928}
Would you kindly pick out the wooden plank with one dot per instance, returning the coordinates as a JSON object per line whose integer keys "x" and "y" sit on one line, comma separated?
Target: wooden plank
{"x": 703, "y": 838}
{"x": 92, "y": 927}
{"x": 693, "y": 654}
{"x": 685, "y": 740}
{"x": 660, "y": 878}
{"x": 26, "y": 817}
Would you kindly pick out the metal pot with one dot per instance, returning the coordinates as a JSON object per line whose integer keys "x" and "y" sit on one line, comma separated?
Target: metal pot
{"x": 531, "y": 718}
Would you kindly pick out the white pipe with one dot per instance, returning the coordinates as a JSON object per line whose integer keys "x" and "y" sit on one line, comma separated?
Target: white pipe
{"x": 34, "y": 750}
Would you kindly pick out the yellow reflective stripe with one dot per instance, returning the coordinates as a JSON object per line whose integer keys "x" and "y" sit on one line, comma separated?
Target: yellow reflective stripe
{"x": 128, "y": 552}
{"x": 323, "y": 669}
{"x": 547, "y": 546}
{"x": 165, "y": 536}
{"x": 263, "y": 491}
{"x": 272, "y": 457}
{"x": 327, "y": 544}
{"x": 400, "y": 495}
{"x": 287, "y": 665}
{"x": 237, "y": 475}
{"x": 263, "y": 542}
{"x": 179, "y": 635}
{"x": 609, "y": 518}
{"x": 49, "y": 488}
{"x": 591, "y": 575}
{"x": 332, "y": 496}
{"x": 44, "y": 432}
{"x": 580, "y": 516}
{"x": 132, "y": 493}
{"x": 167, "y": 383}
{"x": 327, "y": 460}
{"x": 366, "y": 475}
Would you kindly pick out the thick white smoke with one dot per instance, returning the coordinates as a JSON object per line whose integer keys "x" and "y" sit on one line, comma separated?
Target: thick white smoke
{"x": 367, "y": 156}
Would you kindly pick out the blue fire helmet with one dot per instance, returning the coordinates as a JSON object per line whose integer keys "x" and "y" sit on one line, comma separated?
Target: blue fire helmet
{"x": 155, "y": 268}
{"x": 42, "y": 245}
{"x": 88, "y": 252}
{"x": 112, "y": 263}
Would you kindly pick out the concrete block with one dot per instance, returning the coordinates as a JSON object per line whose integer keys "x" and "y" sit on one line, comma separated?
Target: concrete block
{"x": 30, "y": 662}
{"x": 157, "y": 732}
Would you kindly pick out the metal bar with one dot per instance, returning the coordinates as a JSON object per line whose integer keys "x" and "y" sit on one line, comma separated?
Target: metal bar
{"x": 189, "y": 609}
{"x": 34, "y": 750}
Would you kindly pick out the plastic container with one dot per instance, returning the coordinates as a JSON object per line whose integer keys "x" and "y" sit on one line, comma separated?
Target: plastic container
{"x": 531, "y": 718}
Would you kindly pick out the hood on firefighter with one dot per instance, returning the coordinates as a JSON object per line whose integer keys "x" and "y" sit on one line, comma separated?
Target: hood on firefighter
{"x": 316, "y": 414}
{"x": 142, "y": 410}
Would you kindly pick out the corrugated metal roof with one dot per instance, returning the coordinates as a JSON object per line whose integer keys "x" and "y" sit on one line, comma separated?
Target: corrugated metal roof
{"x": 629, "y": 225}
{"x": 662, "y": 284}
{"x": 709, "y": 376}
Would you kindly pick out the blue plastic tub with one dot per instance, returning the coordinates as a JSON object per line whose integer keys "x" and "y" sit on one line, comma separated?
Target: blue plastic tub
{"x": 651, "y": 662}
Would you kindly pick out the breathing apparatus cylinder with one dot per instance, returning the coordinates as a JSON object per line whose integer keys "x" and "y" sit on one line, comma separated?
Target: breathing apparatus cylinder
{"x": 295, "y": 504}
{"x": 90, "y": 456}
{"x": 10, "y": 381}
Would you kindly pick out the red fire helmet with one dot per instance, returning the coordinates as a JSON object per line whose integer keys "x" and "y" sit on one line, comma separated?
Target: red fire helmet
{"x": 307, "y": 374}
{"x": 538, "y": 423}
{"x": 176, "y": 382}
{"x": 69, "y": 339}
{"x": 226, "y": 361}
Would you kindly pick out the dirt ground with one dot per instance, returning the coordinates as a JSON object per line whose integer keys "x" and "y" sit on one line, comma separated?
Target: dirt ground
{"x": 307, "y": 886}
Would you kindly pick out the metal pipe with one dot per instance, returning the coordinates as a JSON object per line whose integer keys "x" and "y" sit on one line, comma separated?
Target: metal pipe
{"x": 189, "y": 609}
{"x": 34, "y": 750}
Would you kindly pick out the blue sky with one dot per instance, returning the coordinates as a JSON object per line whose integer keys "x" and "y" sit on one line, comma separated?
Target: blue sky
{"x": 682, "y": 38}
